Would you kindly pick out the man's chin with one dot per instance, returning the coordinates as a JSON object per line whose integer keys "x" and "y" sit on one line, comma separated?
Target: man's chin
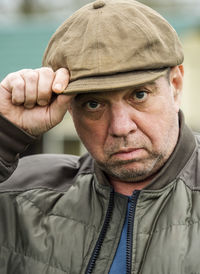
{"x": 126, "y": 174}
{"x": 130, "y": 177}
{"x": 134, "y": 170}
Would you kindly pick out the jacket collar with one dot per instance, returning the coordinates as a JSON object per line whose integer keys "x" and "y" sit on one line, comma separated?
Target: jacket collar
{"x": 185, "y": 147}
{"x": 176, "y": 162}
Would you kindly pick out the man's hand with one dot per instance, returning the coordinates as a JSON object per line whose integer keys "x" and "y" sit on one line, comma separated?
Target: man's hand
{"x": 26, "y": 98}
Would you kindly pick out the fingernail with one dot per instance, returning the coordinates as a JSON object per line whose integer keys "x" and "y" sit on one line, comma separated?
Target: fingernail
{"x": 29, "y": 106}
{"x": 42, "y": 102}
{"x": 58, "y": 87}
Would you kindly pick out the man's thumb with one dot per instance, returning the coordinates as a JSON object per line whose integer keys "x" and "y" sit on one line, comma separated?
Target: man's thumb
{"x": 59, "y": 107}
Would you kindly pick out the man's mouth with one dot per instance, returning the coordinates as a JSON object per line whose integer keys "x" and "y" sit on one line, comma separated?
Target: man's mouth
{"x": 129, "y": 153}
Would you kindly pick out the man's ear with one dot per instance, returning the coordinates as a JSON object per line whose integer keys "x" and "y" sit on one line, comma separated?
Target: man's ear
{"x": 176, "y": 82}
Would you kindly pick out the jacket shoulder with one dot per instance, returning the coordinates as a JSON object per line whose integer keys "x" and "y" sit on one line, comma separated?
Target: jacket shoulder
{"x": 191, "y": 172}
{"x": 52, "y": 171}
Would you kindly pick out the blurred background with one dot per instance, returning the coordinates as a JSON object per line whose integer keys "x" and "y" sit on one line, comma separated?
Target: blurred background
{"x": 27, "y": 25}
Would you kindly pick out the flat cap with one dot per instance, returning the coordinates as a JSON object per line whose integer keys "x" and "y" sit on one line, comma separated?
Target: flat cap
{"x": 113, "y": 44}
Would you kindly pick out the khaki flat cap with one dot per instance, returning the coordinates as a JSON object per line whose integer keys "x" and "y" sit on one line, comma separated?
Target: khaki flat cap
{"x": 113, "y": 44}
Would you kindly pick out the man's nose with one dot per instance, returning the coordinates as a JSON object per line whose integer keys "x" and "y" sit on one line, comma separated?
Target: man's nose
{"x": 121, "y": 121}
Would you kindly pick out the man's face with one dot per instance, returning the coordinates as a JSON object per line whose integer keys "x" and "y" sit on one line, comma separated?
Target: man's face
{"x": 130, "y": 133}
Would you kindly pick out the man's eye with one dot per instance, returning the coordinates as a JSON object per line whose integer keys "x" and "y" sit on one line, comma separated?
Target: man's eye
{"x": 140, "y": 96}
{"x": 93, "y": 105}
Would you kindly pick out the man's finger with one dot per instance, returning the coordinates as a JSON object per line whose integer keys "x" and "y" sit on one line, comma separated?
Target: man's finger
{"x": 31, "y": 80}
{"x": 46, "y": 77}
{"x": 14, "y": 84}
{"x": 61, "y": 80}
{"x": 8, "y": 82}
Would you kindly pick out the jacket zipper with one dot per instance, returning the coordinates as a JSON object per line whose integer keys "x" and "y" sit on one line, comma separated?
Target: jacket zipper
{"x": 102, "y": 234}
{"x": 129, "y": 241}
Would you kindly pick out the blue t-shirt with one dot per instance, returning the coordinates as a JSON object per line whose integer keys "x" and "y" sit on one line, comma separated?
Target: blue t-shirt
{"x": 119, "y": 263}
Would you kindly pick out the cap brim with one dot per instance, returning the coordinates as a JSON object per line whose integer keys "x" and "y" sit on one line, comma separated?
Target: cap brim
{"x": 113, "y": 82}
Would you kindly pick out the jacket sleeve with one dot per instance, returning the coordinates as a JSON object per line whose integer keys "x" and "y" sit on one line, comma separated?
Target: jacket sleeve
{"x": 13, "y": 141}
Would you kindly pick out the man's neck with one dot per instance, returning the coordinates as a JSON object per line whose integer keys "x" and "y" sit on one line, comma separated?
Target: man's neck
{"x": 127, "y": 188}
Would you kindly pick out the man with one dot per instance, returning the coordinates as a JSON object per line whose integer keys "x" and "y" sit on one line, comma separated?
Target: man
{"x": 132, "y": 204}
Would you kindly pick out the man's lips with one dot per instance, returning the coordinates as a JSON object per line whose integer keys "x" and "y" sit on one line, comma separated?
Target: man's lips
{"x": 128, "y": 153}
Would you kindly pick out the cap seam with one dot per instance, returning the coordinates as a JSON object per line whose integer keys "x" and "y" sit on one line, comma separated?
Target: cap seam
{"x": 108, "y": 85}
{"x": 109, "y": 80}
{"x": 83, "y": 84}
{"x": 130, "y": 23}
{"x": 97, "y": 33}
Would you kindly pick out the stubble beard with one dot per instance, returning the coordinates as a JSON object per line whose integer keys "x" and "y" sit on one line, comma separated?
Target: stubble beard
{"x": 134, "y": 170}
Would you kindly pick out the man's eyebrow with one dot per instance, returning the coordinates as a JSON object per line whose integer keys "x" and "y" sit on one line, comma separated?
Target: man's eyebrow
{"x": 81, "y": 96}
{"x": 152, "y": 83}
{"x": 88, "y": 95}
